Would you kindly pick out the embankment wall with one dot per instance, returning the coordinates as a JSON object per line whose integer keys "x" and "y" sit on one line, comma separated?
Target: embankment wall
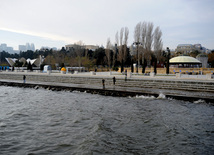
{"x": 189, "y": 85}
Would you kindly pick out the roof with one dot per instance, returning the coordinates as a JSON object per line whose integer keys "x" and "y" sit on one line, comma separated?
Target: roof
{"x": 184, "y": 59}
{"x": 36, "y": 62}
{"x": 185, "y": 45}
{"x": 11, "y": 61}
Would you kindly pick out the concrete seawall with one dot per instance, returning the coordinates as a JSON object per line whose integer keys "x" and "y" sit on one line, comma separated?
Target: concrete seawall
{"x": 106, "y": 92}
{"x": 171, "y": 88}
{"x": 167, "y": 83}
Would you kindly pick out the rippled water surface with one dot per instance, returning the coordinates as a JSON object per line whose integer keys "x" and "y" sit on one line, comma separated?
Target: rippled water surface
{"x": 50, "y": 122}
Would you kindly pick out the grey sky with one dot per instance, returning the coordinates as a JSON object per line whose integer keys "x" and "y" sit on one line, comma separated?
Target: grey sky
{"x": 59, "y": 22}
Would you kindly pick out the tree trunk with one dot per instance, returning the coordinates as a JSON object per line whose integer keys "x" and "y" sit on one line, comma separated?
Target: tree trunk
{"x": 122, "y": 67}
{"x": 155, "y": 66}
{"x": 144, "y": 66}
{"x": 132, "y": 68}
{"x": 167, "y": 65}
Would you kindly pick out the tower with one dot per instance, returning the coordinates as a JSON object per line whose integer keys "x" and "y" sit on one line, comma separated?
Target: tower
{"x": 32, "y": 47}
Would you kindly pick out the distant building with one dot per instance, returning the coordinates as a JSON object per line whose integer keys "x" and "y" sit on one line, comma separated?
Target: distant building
{"x": 22, "y": 48}
{"x": 188, "y": 48}
{"x": 27, "y": 47}
{"x": 4, "y": 47}
{"x": 32, "y": 47}
{"x": 184, "y": 48}
{"x": 91, "y": 47}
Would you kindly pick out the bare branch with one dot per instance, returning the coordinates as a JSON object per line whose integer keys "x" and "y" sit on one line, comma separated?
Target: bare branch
{"x": 149, "y": 36}
{"x": 121, "y": 36}
{"x": 108, "y": 52}
{"x": 117, "y": 39}
{"x": 157, "y": 42}
{"x": 137, "y": 32}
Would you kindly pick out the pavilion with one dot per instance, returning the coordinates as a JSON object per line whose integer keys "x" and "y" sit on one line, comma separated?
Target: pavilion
{"x": 184, "y": 62}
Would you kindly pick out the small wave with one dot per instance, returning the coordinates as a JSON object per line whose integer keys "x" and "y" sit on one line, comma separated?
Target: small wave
{"x": 2, "y": 124}
{"x": 145, "y": 97}
{"x": 161, "y": 96}
{"x": 76, "y": 91}
{"x": 199, "y": 101}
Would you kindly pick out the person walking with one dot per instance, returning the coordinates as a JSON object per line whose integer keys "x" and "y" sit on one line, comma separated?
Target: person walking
{"x": 114, "y": 80}
{"x": 103, "y": 82}
{"x": 24, "y": 78}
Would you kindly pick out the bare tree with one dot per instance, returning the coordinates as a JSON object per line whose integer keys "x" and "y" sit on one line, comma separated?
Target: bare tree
{"x": 149, "y": 40}
{"x": 126, "y": 37}
{"x": 157, "y": 46}
{"x": 137, "y": 35}
{"x": 149, "y": 36}
{"x": 79, "y": 52}
{"x": 137, "y": 32}
{"x": 120, "y": 54}
{"x": 117, "y": 38}
{"x": 121, "y": 36}
{"x": 108, "y": 53}
{"x": 115, "y": 48}
{"x": 143, "y": 43}
{"x": 157, "y": 42}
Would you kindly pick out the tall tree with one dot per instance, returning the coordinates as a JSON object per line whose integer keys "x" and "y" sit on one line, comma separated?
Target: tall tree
{"x": 120, "y": 51}
{"x": 143, "y": 42}
{"x": 115, "y": 49}
{"x": 108, "y": 53}
{"x": 149, "y": 41}
{"x": 126, "y": 37}
{"x": 79, "y": 51}
{"x": 157, "y": 46}
{"x": 123, "y": 38}
{"x": 137, "y": 35}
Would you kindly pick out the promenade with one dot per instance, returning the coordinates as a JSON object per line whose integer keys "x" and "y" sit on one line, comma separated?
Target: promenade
{"x": 157, "y": 86}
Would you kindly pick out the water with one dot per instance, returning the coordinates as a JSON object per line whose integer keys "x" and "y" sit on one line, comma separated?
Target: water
{"x": 57, "y": 122}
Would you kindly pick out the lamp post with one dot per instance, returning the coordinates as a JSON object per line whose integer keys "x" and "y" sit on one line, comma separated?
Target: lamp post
{"x": 167, "y": 64}
{"x": 137, "y": 43}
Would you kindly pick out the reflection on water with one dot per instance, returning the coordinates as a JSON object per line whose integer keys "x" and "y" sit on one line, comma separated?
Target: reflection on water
{"x": 42, "y": 121}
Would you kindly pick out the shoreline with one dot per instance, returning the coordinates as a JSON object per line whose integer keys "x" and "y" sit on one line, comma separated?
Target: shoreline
{"x": 107, "y": 91}
{"x": 170, "y": 87}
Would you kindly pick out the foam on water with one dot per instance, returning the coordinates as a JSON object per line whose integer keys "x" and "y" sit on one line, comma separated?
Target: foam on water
{"x": 199, "y": 101}
{"x": 161, "y": 96}
{"x": 145, "y": 97}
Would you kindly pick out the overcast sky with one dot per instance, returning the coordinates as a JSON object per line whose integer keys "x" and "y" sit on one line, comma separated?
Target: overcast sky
{"x": 55, "y": 23}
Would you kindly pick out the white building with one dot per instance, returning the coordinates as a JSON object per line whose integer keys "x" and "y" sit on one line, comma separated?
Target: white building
{"x": 26, "y": 47}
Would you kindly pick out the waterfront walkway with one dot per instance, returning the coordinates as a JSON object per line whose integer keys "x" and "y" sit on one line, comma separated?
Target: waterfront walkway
{"x": 159, "y": 93}
{"x": 168, "y": 86}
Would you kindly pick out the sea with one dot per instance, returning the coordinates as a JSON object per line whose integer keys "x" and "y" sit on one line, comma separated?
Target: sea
{"x": 40, "y": 121}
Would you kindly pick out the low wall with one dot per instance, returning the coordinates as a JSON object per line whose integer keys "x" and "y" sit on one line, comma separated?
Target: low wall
{"x": 174, "y": 84}
{"x": 106, "y": 92}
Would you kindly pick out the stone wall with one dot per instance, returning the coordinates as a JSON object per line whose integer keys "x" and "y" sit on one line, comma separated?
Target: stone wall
{"x": 190, "y": 85}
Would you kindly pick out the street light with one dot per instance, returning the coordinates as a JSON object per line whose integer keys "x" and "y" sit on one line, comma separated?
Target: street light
{"x": 137, "y": 43}
{"x": 167, "y": 64}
